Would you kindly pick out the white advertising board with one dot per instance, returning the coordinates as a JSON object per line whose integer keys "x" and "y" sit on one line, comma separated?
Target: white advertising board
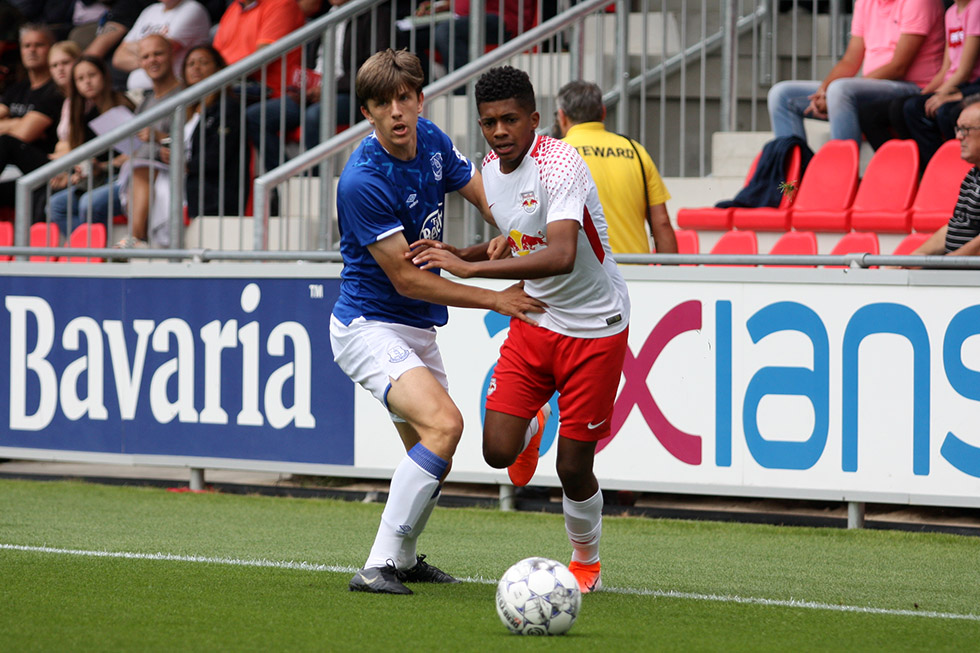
{"x": 857, "y": 385}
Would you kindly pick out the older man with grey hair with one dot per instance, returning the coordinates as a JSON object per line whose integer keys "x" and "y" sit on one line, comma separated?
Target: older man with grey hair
{"x": 630, "y": 188}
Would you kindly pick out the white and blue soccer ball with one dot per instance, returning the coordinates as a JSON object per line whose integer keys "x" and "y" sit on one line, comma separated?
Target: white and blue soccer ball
{"x": 538, "y": 596}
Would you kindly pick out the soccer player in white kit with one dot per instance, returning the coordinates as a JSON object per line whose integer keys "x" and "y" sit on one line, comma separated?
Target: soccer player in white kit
{"x": 545, "y": 203}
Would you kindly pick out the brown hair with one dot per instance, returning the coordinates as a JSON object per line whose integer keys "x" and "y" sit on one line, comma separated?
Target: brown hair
{"x": 79, "y": 106}
{"x": 219, "y": 62}
{"x": 387, "y": 72}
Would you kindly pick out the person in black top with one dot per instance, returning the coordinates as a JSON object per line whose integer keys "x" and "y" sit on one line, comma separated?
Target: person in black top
{"x": 29, "y": 109}
{"x": 213, "y": 184}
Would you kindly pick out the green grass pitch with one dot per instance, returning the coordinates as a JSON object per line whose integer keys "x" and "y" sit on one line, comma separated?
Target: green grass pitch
{"x": 97, "y": 568}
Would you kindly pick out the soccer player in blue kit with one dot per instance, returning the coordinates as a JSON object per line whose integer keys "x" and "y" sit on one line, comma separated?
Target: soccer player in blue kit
{"x": 382, "y": 330}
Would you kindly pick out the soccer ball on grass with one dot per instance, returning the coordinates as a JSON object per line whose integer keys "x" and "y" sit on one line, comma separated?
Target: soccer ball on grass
{"x": 538, "y": 596}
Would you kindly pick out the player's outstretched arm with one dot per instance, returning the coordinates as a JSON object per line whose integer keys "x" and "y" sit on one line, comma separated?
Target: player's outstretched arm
{"x": 474, "y": 193}
{"x": 410, "y": 281}
{"x": 557, "y": 258}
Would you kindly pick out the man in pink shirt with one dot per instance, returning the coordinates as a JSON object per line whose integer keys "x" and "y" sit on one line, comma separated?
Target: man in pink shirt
{"x": 896, "y": 44}
{"x": 931, "y": 119}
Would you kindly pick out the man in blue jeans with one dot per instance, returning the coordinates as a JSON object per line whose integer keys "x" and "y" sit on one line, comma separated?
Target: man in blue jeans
{"x": 899, "y": 44}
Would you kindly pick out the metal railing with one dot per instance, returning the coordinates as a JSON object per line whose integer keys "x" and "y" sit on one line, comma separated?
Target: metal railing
{"x": 662, "y": 65}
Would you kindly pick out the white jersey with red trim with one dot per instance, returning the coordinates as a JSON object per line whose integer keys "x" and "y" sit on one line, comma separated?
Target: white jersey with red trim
{"x": 552, "y": 183}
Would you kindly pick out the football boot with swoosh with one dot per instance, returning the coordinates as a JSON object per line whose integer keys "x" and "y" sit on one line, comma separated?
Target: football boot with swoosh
{"x": 379, "y": 580}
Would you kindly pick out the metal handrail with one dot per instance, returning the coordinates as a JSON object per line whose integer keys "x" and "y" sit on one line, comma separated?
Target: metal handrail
{"x": 262, "y": 197}
{"x": 242, "y": 68}
{"x": 855, "y": 260}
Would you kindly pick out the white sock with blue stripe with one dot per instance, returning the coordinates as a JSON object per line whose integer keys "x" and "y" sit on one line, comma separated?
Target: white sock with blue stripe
{"x": 411, "y": 497}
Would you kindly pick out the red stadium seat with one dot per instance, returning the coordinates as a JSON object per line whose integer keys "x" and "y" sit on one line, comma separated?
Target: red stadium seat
{"x": 884, "y": 198}
{"x": 6, "y": 237}
{"x": 710, "y": 217}
{"x": 939, "y": 188}
{"x": 827, "y": 189}
{"x": 802, "y": 243}
{"x": 855, "y": 242}
{"x": 737, "y": 242}
{"x": 86, "y": 236}
{"x": 44, "y": 234}
{"x": 687, "y": 241}
{"x": 766, "y": 218}
{"x": 910, "y": 243}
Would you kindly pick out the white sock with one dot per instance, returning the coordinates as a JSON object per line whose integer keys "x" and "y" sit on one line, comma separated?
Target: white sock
{"x": 412, "y": 488}
{"x": 583, "y": 523}
{"x": 407, "y": 555}
{"x": 532, "y": 430}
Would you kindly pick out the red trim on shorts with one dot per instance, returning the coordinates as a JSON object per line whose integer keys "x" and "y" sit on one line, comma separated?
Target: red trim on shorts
{"x": 592, "y": 234}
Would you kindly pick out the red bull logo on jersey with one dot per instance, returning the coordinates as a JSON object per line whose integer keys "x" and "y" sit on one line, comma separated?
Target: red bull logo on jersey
{"x": 521, "y": 243}
{"x": 529, "y": 202}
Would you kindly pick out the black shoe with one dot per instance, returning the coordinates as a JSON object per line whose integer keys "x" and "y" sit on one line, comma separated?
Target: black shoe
{"x": 423, "y": 572}
{"x": 379, "y": 580}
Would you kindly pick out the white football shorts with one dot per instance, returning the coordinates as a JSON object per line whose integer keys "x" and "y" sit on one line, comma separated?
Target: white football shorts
{"x": 373, "y": 354}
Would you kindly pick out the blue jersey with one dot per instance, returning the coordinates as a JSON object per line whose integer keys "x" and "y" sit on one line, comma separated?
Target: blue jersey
{"x": 379, "y": 195}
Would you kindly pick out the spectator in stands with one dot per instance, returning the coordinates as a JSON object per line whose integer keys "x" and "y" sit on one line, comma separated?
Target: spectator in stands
{"x": 452, "y": 37}
{"x": 630, "y": 189}
{"x": 184, "y": 23}
{"x": 248, "y": 26}
{"x": 61, "y": 59}
{"x": 883, "y": 120}
{"x": 29, "y": 109}
{"x": 113, "y": 26}
{"x": 149, "y": 207}
{"x": 931, "y": 119}
{"x": 899, "y": 43}
{"x": 961, "y": 236}
{"x": 372, "y": 27}
{"x": 56, "y": 15}
{"x": 85, "y": 19}
{"x": 90, "y": 95}
{"x": 213, "y": 181}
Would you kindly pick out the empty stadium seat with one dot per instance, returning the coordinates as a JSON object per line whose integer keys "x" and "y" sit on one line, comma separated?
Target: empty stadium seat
{"x": 939, "y": 188}
{"x": 737, "y": 242}
{"x": 687, "y": 241}
{"x": 710, "y": 217}
{"x": 884, "y": 198}
{"x": 6, "y": 237}
{"x": 801, "y": 243}
{"x": 767, "y": 218}
{"x": 85, "y": 236}
{"x": 910, "y": 243}
{"x": 44, "y": 234}
{"x": 855, "y": 242}
{"x": 827, "y": 189}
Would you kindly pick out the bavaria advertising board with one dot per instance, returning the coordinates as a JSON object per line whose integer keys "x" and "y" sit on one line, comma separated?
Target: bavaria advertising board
{"x": 173, "y": 367}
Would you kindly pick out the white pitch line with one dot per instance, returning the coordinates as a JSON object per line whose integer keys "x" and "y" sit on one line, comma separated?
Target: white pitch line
{"x": 667, "y": 594}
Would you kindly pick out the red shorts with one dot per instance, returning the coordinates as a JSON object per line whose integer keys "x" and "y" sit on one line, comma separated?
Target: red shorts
{"x": 535, "y": 362}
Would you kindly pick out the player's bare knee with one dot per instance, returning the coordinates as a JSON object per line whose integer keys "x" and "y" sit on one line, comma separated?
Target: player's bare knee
{"x": 443, "y": 434}
{"x": 497, "y": 454}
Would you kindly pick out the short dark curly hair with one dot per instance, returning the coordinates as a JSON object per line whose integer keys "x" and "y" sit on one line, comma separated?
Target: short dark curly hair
{"x": 504, "y": 83}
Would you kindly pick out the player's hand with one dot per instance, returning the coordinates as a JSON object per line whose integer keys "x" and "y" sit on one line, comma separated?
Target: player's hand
{"x": 498, "y": 248}
{"x": 438, "y": 257}
{"x": 514, "y": 302}
{"x": 423, "y": 244}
